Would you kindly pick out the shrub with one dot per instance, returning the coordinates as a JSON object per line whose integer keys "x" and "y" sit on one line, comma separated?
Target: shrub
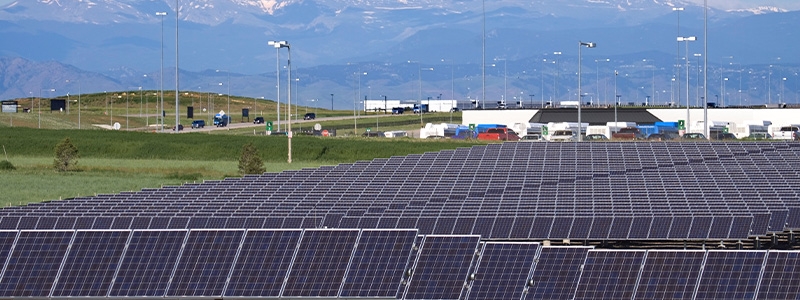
{"x": 250, "y": 162}
{"x": 66, "y": 156}
{"x": 6, "y": 166}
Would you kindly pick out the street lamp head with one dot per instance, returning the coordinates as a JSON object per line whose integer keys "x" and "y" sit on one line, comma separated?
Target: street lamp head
{"x": 557, "y": 53}
{"x": 677, "y": 9}
{"x": 687, "y": 38}
{"x": 161, "y": 13}
{"x": 278, "y": 44}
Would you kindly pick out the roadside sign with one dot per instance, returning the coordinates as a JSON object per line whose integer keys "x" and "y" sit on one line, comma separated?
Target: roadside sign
{"x": 269, "y": 126}
{"x": 369, "y": 129}
{"x": 545, "y": 131}
{"x": 725, "y": 130}
{"x": 681, "y": 124}
{"x": 472, "y": 127}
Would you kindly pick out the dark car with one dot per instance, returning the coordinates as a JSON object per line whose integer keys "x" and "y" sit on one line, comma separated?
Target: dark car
{"x": 595, "y": 137}
{"x": 693, "y": 136}
{"x": 258, "y": 120}
{"x": 725, "y": 136}
{"x": 180, "y": 127}
{"x": 310, "y": 116}
{"x": 373, "y": 134}
{"x": 198, "y": 123}
{"x": 660, "y": 137}
{"x": 398, "y": 110}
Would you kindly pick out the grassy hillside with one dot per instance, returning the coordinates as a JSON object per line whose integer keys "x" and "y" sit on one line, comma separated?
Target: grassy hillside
{"x": 114, "y": 161}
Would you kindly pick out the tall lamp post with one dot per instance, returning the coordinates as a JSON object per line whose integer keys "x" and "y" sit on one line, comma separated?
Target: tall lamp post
{"x": 229, "y": 89}
{"x": 686, "y": 41}
{"x": 555, "y": 79}
{"x": 278, "y": 45}
{"x": 355, "y": 116}
{"x": 161, "y": 78}
{"x": 79, "y": 101}
{"x": 40, "y": 104}
{"x": 331, "y": 101}
{"x": 177, "y": 90}
{"x": 616, "y": 100}
{"x": 580, "y": 48}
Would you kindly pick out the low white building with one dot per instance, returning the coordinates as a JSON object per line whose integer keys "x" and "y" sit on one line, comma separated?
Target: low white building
{"x": 434, "y": 105}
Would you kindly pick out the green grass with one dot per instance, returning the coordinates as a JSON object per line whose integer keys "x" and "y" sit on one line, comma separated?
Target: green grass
{"x": 116, "y": 161}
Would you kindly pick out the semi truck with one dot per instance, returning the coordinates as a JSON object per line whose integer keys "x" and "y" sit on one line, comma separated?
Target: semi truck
{"x": 221, "y": 119}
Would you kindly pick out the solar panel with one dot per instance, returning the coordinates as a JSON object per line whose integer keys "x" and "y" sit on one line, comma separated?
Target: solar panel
{"x": 610, "y": 274}
{"x": 91, "y": 263}
{"x": 263, "y": 263}
{"x": 378, "y": 263}
{"x": 556, "y": 272}
{"x": 670, "y": 274}
{"x": 442, "y": 266}
{"x": 34, "y": 263}
{"x": 503, "y": 270}
{"x": 730, "y": 274}
{"x": 205, "y": 263}
{"x": 780, "y": 280}
{"x": 6, "y": 242}
{"x": 148, "y": 263}
{"x": 320, "y": 263}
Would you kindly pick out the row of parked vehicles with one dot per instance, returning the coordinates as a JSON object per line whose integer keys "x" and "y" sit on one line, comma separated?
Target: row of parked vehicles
{"x": 621, "y": 131}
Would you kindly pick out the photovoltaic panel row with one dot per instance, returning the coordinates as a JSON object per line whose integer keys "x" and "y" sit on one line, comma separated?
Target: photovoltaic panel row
{"x": 378, "y": 263}
{"x": 34, "y": 262}
{"x": 670, "y": 274}
{"x": 89, "y": 267}
{"x": 263, "y": 263}
{"x": 730, "y": 275}
{"x": 320, "y": 263}
{"x": 610, "y": 274}
{"x": 442, "y": 266}
{"x": 205, "y": 263}
{"x": 503, "y": 270}
{"x": 148, "y": 263}
{"x": 556, "y": 273}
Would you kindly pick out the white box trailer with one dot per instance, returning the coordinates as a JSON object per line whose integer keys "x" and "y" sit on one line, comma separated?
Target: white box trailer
{"x": 523, "y": 129}
{"x": 746, "y": 130}
{"x": 437, "y": 130}
{"x": 570, "y": 126}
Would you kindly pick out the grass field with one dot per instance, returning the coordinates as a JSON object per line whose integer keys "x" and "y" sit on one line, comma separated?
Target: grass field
{"x": 115, "y": 161}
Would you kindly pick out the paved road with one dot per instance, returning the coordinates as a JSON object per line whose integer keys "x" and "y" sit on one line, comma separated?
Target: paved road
{"x": 304, "y": 123}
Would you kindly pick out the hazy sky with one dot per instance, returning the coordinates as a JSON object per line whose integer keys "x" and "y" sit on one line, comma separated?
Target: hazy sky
{"x": 722, "y": 4}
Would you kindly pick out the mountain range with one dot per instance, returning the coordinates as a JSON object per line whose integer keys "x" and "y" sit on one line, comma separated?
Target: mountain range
{"x": 117, "y": 45}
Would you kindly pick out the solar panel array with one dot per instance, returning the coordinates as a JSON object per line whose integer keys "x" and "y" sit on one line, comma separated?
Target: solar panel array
{"x": 455, "y": 224}
{"x": 595, "y": 191}
{"x": 273, "y": 264}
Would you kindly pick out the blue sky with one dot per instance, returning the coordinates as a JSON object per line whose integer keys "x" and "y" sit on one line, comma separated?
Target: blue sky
{"x": 723, "y": 4}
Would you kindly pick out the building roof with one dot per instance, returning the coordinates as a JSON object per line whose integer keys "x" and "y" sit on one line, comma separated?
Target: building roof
{"x": 594, "y": 116}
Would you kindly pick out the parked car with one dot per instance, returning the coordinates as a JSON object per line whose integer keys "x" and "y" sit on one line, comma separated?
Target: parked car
{"x": 725, "y": 136}
{"x": 693, "y": 136}
{"x": 660, "y": 137}
{"x": 258, "y": 120}
{"x": 533, "y": 137}
{"x": 759, "y": 136}
{"x": 595, "y": 137}
{"x": 310, "y": 116}
{"x": 198, "y": 123}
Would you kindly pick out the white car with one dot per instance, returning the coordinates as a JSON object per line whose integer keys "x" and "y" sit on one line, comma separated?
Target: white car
{"x": 564, "y": 136}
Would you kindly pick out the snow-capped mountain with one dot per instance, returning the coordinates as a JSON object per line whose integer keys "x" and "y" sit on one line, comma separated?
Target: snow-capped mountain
{"x": 102, "y": 35}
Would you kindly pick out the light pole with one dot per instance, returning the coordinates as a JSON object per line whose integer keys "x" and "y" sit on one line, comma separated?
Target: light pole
{"x": 616, "y": 100}
{"x": 331, "y": 101}
{"x": 597, "y": 65}
{"x": 580, "y": 93}
{"x": 555, "y": 79}
{"x": 40, "y": 104}
{"x": 177, "y": 90}
{"x": 161, "y": 78}
{"x": 79, "y": 102}
{"x": 229, "y": 89}
{"x": 686, "y": 41}
{"x": 654, "y": 76}
{"x": 277, "y": 45}
{"x": 677, "y": 65}
{"x": 697, "y": 79}
{"x": 505, "y": 77}
{"x": 358, "y": 96}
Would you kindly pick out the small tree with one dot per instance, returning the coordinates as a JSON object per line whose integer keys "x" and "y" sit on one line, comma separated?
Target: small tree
{"x": 250, "y": 162}
{"x": 66, "y": 156}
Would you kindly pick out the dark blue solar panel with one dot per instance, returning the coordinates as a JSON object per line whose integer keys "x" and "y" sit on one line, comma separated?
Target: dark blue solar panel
{"x": 620, "y": 227}
{"x": 780, "y": 279}
{"x": 483, "y": 226}
{"x": 660, "y": 227}
{"x": 561, "y": 227}
{"x": 600, "y": 228}
{"x": 522, "y": 228}
{"x": 46, "y": 223}
{"x": 34, "y": 262}
{"x": 464, "y": 225}
{"x": 9, "y": 222}
{"x": 730, "y": 275}
{"x": 263, "y": 263}
{"x": 122, "y": 223}
{"x": 580, "y": 228}
{"x": 84, "y": 223}
{"x": 378, "y": 264}
{"x": 680, "y": 228}
{"x": 6, "y": 242}
{"x": 444, "y": 225}
{"x": 442, "y": 267}
{"x": 91, "y": 263}
{"x": 320, "y": 264}
{"x": 205, "y": 263}
{"x": 556, "y": 273}
{"x": 148, "y": 263}
{"x": 65, "y": 223}
{"x": 502, "y": 228}
{"x": 503, "y": 270}
{"x": 700, "y": 227}
{"x": 720, "y": 227}
{"x": 610, "y": 274}
{"x": 670, "y": 274}
{"x": 640, "y": 227}
{"x": 541, "y": 227}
